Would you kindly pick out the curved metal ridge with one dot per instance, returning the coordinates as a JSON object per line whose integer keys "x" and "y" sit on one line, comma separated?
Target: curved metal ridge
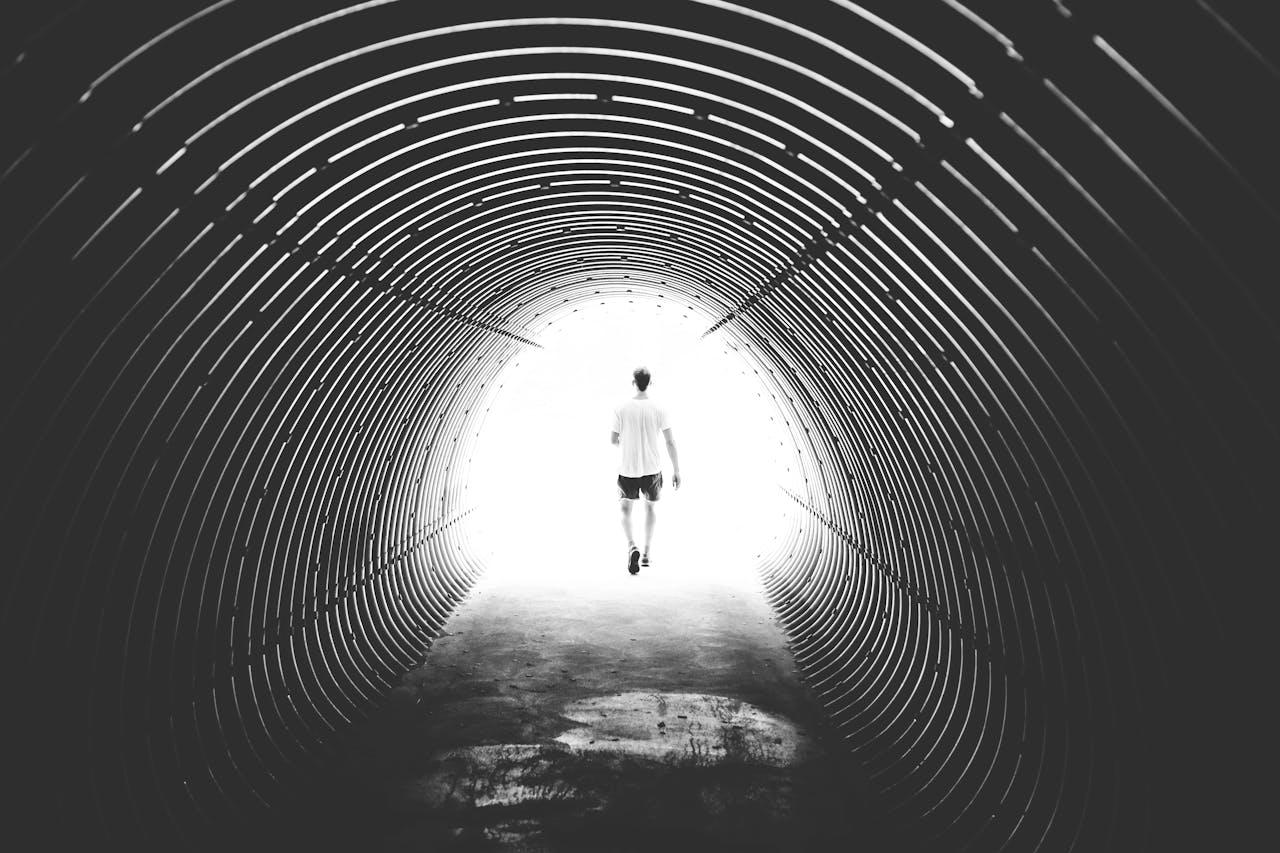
{"x": 1004, "y": 270}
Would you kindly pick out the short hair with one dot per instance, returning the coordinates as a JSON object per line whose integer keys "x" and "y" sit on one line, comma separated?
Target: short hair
{"x": 642, "y": 377}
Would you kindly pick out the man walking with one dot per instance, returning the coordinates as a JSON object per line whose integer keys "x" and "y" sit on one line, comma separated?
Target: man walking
{"x": 636, "y": 424}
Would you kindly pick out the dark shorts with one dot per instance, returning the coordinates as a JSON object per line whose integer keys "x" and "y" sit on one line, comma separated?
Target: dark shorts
{"x": 631, "y": 487}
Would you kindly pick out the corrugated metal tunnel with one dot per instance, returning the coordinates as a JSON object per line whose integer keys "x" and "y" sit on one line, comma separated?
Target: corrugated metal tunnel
{"x": 1006, "y": 271}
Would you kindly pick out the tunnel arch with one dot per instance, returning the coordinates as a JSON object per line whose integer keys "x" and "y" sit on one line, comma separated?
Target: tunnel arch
{"x": 1002, "y": 270}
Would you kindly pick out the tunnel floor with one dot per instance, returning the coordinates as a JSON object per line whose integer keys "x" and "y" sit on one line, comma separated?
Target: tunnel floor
{"x": 600, "y": 711}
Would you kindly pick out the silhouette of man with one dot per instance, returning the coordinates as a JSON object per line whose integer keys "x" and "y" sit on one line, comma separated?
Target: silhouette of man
{"x": 636, "y": 424}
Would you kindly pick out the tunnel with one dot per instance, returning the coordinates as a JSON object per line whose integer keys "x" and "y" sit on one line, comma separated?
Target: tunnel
{"x": 1002, "y": 274}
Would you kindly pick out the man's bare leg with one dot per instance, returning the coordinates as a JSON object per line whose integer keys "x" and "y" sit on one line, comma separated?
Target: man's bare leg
{"x": 650, "y": 516}
{"x": 626, "y": 521}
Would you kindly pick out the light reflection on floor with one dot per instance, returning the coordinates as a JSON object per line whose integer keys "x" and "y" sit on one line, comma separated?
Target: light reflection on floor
{"x": 569, "y": 706}
{"x": 682, "y": 728}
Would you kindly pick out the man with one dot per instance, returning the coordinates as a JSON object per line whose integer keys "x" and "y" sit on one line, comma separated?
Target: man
{"x": 636, "y": 424}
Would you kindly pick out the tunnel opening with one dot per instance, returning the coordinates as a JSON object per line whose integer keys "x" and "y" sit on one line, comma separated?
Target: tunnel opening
{"x": 542, "y": 476}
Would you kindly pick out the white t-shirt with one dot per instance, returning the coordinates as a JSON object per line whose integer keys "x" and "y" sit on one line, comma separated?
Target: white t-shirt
{"x": 638, "y": 424}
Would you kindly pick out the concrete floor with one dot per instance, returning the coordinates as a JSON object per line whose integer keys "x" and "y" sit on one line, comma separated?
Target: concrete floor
{"x": 596, "y": 711}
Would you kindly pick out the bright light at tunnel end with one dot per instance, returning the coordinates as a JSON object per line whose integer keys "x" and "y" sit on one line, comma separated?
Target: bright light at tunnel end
{"x": 543, "y": 473}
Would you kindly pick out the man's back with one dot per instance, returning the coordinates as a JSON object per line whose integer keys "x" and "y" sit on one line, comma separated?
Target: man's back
{"x": 639, "y": 422}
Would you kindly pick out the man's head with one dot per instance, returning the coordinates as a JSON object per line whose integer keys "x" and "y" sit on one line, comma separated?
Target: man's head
{"x": 640, "y": 376}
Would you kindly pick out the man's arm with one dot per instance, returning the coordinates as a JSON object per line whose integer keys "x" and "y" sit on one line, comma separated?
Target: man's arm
{"x": 675, "y": 459}
{"x": 613, "y": 438}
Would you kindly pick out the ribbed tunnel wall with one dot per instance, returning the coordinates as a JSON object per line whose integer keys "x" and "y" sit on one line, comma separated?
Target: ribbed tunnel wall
{"x": 1007, "y": 270}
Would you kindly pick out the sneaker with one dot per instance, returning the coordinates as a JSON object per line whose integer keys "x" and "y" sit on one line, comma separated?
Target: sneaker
{"x": 644, "y": 560}
{"x": 633, "y": 560}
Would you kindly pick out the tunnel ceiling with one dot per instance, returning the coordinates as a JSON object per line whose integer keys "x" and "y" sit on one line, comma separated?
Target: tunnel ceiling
{"x": 1006, "y": 269}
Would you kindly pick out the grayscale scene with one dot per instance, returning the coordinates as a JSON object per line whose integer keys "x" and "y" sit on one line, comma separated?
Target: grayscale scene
{"x": 588, "y": 426}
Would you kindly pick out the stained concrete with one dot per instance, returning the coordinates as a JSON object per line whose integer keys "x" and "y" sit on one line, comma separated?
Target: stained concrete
{"x": 602, "y": 712}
